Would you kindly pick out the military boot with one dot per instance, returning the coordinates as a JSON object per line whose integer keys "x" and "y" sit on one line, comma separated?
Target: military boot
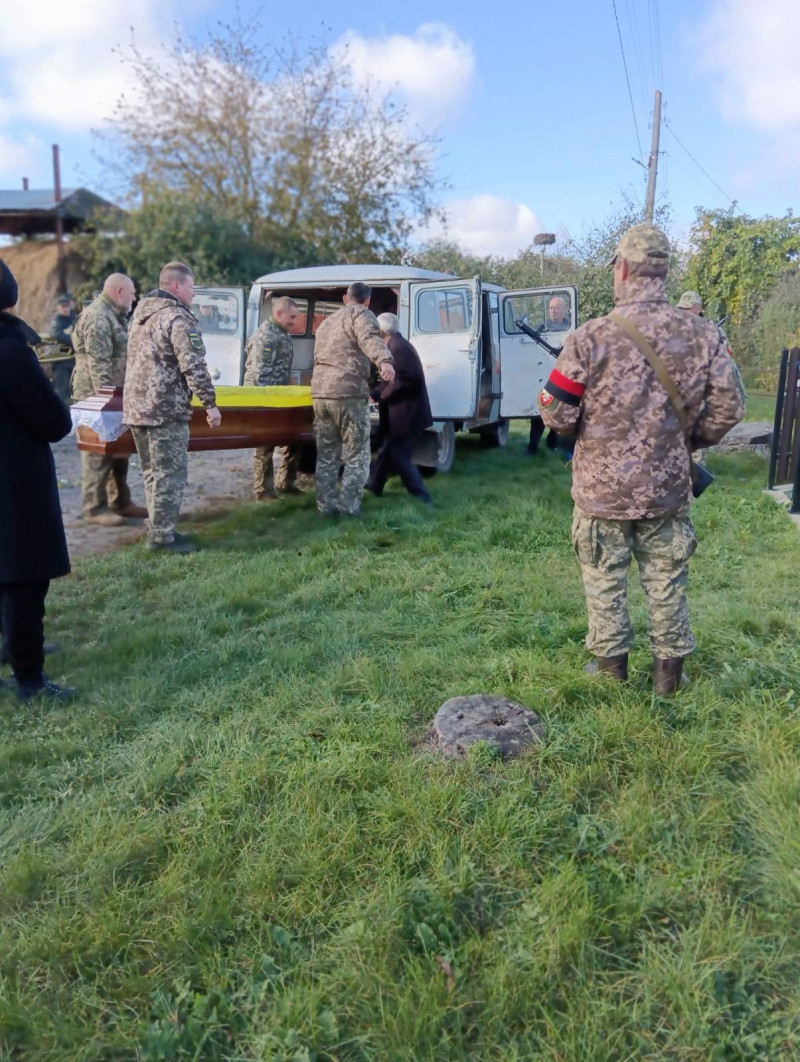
{"x": 132, "y": 511}
{"x": 105, "y": 518}
{"x": 613, "y": 667}
{"x": 668, "y": 676}
{"x": 43, "y": 687}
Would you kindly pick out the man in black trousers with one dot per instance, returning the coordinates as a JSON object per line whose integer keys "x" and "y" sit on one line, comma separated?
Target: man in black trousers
{"x": 405, "y": 414}
{"x": 33, "y": 548}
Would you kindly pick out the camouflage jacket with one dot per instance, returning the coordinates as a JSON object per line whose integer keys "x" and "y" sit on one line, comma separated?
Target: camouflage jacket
{"x": 61, "y": 326}
{"x": 166, "y": 363}
{"x": 269, "y": 356}
{"x": 100, "y": 340}
{"x": 345, "y": 345}
{"x": 631, "y": 460}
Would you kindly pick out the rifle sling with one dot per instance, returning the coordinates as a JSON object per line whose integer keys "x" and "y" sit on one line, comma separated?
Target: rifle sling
{"x": 657, "y": 365}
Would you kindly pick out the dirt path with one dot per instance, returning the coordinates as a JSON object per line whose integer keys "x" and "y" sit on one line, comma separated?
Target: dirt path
{"x": 216, "y": 480}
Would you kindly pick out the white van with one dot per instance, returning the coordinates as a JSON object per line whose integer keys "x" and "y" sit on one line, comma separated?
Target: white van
{"x": 481, "y": 369}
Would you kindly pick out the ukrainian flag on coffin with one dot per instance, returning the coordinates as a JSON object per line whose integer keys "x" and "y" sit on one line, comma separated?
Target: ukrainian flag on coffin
{"x": 292, "y": 395}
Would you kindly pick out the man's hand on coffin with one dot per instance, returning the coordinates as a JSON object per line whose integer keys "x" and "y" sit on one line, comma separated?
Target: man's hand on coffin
{"x": 387, "y": 371}
{"x": 214, "y": 417}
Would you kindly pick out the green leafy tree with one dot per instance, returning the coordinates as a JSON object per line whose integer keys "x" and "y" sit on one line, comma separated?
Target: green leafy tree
{"x": 735, "y": 260}
{"x": 283, "y": 143}
{"x": 171, "y": 225}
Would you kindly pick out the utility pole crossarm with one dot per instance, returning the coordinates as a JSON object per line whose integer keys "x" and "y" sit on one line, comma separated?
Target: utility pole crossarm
{"x": 652, "y": 167}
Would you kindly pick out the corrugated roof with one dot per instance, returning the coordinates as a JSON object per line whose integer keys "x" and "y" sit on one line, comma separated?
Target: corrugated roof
{"x": 33, "y": 199}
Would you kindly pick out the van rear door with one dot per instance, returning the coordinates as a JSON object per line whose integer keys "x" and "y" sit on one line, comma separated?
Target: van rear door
{"x": 445, "y": 328}
{"x": 524, "y": 365}
{"x": 222, "y": 315}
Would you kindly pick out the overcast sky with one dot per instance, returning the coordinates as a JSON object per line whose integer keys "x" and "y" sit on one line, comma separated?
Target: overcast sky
{"x": 538, "y": 131}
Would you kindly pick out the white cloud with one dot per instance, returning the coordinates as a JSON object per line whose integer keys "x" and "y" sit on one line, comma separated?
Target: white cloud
{"x": 752, "y": 49}
{"x": 57, "y": 64}
{"x": 19, "y": 157}
{"x": 486, "y": 224}
{"x": 432, "y": 69}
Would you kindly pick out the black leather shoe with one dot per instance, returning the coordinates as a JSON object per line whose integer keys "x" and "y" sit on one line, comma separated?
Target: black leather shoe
{"x": 613, "y": 667}
{"x": 26, "y": 691}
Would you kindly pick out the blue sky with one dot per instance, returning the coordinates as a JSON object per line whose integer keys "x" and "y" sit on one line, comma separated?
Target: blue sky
{"x": 530, "y": 98}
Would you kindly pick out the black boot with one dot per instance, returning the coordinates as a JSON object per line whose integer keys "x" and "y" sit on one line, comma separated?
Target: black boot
{"x": 45, "y": 688}
{"x": 613, "y": 667}
{"x": 668, "y": 676}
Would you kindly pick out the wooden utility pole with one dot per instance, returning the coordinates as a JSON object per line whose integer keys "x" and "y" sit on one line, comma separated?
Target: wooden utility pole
{"x": 652, "y": 167}
{"x": 62, "y": 262}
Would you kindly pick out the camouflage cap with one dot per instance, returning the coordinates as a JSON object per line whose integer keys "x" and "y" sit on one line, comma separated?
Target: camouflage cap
{"x": 647, "y": 244}
{"x": 688, "y": 300}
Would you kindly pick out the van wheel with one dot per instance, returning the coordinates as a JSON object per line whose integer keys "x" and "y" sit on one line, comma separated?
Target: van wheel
{"x": 496, "y": 435}
{"x": 446, "y": 448}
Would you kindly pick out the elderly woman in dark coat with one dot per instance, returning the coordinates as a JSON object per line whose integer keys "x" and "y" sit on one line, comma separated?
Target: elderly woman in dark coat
{"x": 405, "y": 413}
{"x": 33, "y": 549}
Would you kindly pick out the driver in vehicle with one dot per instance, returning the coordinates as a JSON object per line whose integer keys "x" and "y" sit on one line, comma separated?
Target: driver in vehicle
{"x": 558, "y": 317}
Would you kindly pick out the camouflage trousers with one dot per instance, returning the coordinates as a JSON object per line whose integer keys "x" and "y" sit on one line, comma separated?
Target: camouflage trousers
{"x": 341, "y": 426}
{"x": 662, "y": 548}
{"x": 267, "y": 481}
{"x": 163, "y": 453}
{"x": 104, "y": 483}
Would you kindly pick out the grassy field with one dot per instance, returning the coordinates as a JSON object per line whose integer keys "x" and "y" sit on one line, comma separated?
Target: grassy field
{"x": 232, "y": 846}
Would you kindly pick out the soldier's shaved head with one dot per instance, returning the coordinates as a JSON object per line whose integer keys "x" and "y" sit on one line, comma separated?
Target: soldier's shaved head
{"x": 283, "y": 304}
{"x": 120, "y": 289}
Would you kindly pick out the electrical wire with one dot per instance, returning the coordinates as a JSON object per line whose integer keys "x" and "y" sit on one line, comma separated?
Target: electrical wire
{"x": 627, "y": 78}
{"x": 697, "y": 164}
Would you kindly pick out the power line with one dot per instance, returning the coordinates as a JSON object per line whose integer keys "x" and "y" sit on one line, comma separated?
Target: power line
{"x": 697, "y": 164}
{"x": 627, "y": 78}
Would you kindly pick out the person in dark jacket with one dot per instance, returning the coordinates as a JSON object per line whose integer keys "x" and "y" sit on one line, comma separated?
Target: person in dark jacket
{"x": 33, "y": 548}
{"x": 405, "y": 413}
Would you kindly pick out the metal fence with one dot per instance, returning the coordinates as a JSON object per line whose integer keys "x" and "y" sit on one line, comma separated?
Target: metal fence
{"x": 784, "y": 461}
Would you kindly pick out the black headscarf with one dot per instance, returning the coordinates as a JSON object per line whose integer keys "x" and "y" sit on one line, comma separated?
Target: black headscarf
{"x": 8, "y": 287}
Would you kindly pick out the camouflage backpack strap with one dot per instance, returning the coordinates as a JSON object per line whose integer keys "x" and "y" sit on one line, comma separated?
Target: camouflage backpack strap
{"x": 645, "y": 348}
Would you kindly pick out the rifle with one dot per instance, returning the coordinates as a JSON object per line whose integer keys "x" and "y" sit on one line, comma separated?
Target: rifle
{"x": 536, "y": 334}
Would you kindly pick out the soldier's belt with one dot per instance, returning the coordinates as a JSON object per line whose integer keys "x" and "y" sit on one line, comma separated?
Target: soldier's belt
{"x": 288, "y": 396}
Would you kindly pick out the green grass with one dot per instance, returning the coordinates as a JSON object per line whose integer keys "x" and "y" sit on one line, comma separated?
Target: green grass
{"x": 232, "y": 847}
{"x": 760, "y": 407}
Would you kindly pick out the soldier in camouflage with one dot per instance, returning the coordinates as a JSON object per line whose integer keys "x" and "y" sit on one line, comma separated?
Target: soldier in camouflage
{"x": 61, "y": 325}
{"x": 269, "y": 363}
{"x": 346, "y": 345}
{"x": 166, "y": 363}
{"x": 100, "y": 341}
{"x": 631, "y": 479}
{"x": 692, "y": 302}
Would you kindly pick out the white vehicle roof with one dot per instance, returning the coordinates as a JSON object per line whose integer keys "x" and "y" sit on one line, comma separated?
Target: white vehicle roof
{"x": 340, "y": 276}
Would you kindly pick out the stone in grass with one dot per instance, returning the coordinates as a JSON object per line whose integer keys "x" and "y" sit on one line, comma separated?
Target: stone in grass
{"x": 508, "y": 725}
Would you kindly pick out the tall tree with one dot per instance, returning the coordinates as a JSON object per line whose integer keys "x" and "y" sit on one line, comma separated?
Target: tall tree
{"x": 735, "y": 259}
{"x": 283, "y": 142}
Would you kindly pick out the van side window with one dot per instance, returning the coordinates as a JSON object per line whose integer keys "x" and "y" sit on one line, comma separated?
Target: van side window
{"x": 217, "y": 313}
{"x": 323, "y": 309}
{"x": 444, "y": 310}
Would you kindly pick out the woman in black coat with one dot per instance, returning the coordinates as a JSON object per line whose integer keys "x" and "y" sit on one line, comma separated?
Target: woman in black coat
{"x": 33, "y": 548}
{"x": 405, "y": 414}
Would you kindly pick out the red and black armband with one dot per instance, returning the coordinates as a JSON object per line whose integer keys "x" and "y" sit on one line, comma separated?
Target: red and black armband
{"x": 564, "y": 389}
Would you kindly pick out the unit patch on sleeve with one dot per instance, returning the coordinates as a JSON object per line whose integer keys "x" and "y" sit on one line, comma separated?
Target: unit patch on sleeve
{"x": 545, "y": 398}
{"x": 561, "y": 387}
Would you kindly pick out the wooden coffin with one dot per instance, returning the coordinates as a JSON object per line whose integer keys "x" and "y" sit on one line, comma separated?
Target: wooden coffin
{"x": 251, "y": 416}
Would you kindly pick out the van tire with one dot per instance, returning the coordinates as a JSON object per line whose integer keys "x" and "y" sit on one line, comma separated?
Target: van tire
{"x": 446, "y": 448}
{"x": 496, "y": 435}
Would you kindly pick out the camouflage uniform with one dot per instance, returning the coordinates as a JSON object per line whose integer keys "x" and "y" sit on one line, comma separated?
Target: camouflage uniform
{"x": 100, "y": 340}
{"x": 346, "y": 345}
{"x": 166, "y": 363}
{"x": 269, "y": 363}
{"x": 690, "y": 299}
{"x": 61, "y": 325}
{"x": 630, "y": 472}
